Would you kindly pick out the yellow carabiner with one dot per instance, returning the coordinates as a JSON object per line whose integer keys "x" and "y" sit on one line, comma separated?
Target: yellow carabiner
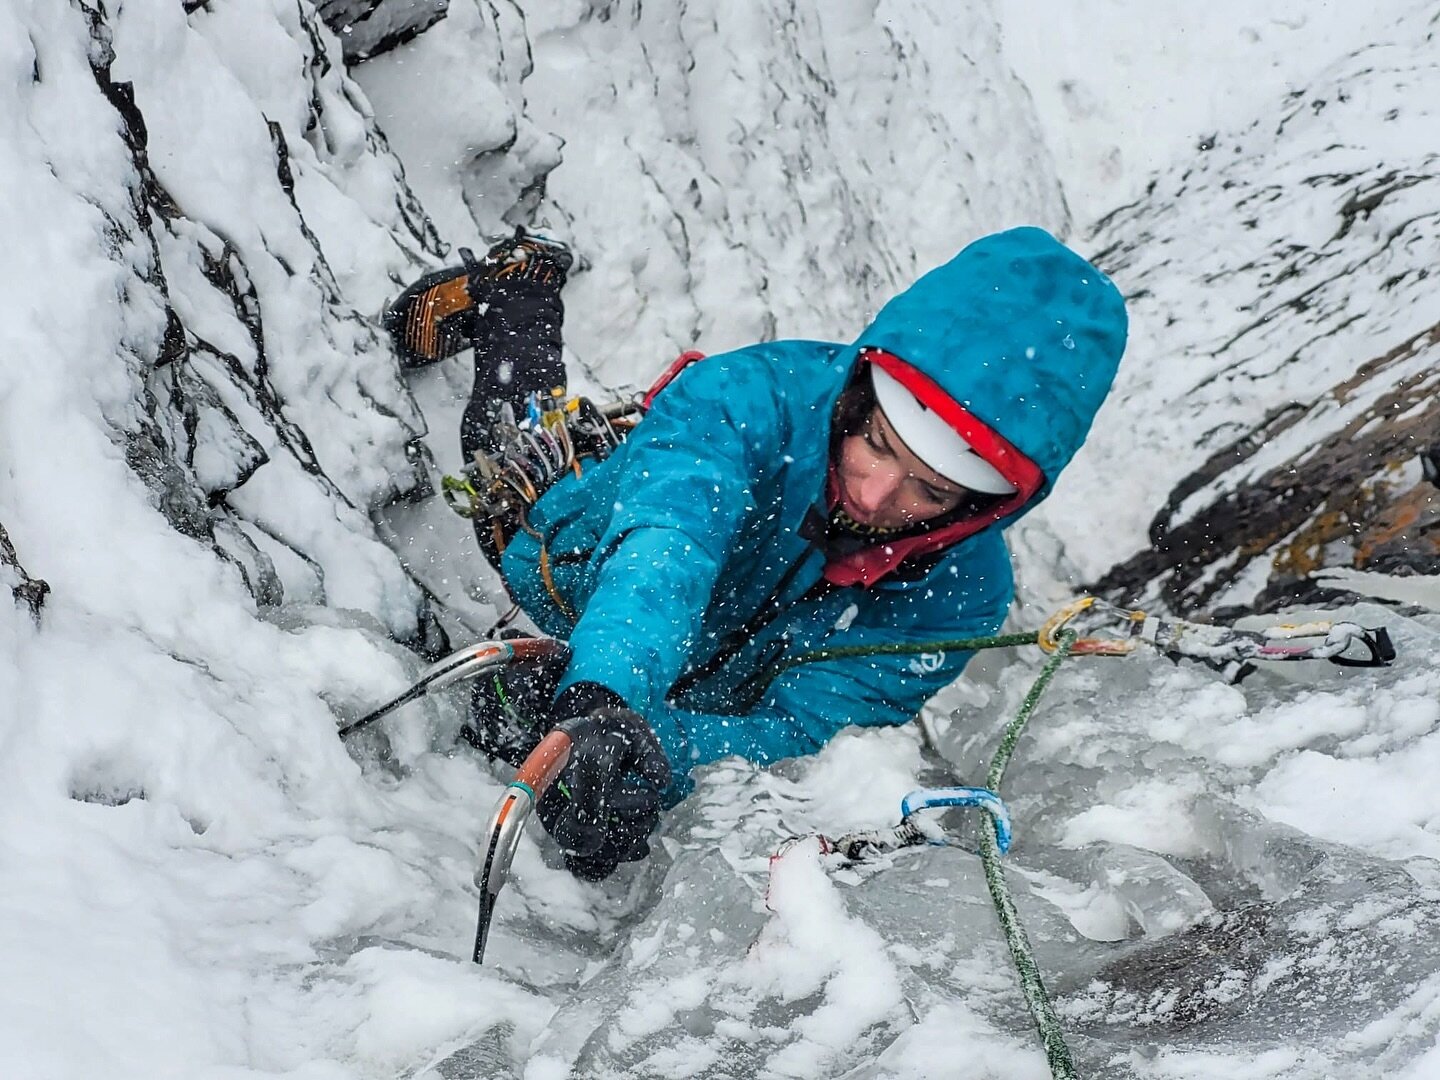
{"x": 1048, "y": 637}
{"x": 1050, "y": 629}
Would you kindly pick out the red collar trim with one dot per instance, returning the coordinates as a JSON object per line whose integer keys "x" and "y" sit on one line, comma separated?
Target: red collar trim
{"x": 869, "y": 565}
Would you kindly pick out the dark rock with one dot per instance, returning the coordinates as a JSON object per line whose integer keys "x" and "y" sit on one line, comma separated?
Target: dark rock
{"x": 1343, "y": 947}
{"x": 368, "y": 28}
{"x": 27, "y": 590}
{"x": 1358, "y": 497}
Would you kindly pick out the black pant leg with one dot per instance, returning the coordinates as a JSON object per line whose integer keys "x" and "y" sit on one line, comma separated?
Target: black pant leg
{"x": 517, "y": 340}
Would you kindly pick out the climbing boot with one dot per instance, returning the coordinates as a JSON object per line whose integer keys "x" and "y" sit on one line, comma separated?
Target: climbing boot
{"x": 434, "y": 318}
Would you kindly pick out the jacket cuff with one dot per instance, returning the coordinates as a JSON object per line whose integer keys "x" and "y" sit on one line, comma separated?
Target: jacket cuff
{"x": 676, "y": 744}
{"x": 583, "y": 698}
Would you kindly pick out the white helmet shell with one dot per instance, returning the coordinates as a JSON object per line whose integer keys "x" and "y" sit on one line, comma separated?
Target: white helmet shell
{"x": 932, "y": 440}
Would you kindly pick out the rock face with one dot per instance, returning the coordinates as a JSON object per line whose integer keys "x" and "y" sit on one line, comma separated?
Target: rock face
{"x": 773, "y": 170}
{"x": 1363, "y": 496}
{"x": 248, "y": 390}
{"x": 200, "y": 425}
{"x": 26, "y": 590}
{"x": 369, "y": 27}
{"x": 1296, "y": 967}
{"x": 1285, "y": 276}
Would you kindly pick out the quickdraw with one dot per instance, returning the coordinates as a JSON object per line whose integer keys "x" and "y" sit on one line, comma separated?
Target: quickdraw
{"x": 913, "y": 831}
{"x": 1223, "y": 647}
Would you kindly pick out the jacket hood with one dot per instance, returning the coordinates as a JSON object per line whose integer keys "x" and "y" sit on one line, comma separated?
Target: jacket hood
{"x": 1023, "y": 334}
{"x": 1019, "y": 330}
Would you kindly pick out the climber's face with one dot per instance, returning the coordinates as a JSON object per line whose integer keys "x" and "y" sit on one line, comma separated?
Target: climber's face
{"x": 884, "y": 485}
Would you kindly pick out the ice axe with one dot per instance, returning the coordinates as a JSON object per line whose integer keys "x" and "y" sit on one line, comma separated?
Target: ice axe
{"x": 464, "y": 663}
{"x": 537, "y": 772}
{"x": 533, "y": 779}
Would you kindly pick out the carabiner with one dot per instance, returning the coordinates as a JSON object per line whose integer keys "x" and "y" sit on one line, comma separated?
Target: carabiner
{"x": 1089, "y": 614}
{"x": 987, "y": 800}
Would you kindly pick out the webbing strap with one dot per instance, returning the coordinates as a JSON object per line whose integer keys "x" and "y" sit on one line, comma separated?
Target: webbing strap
{"x": 549, "y": 579}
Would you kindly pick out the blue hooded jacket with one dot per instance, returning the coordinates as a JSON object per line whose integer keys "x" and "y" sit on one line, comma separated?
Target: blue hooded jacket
{"x": 667, "y": 549}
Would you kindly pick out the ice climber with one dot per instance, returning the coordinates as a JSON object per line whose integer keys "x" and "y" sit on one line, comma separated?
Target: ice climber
{"x": 774, "y": 499}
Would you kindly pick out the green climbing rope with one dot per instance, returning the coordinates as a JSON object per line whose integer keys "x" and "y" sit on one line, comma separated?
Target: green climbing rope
{"x": 1001, "y": 761}
{"x": 1031, "y": 984}
{"x": 840, "y": 652}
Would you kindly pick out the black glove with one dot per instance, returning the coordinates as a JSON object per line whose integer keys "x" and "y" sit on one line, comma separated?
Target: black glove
{"x": 606, "y": 802}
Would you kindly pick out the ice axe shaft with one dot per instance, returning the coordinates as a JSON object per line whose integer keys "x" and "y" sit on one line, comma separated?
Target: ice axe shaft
{"x": 464, "y": 663}
{"x": 536, "y": 774}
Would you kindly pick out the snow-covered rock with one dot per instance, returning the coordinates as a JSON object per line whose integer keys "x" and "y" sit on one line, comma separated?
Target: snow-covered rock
{"x": 368, "y": 28}
{"x": 1280, "y": 386}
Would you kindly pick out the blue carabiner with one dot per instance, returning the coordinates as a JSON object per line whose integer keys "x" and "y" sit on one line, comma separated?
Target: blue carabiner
{"x": 928, "y": 798}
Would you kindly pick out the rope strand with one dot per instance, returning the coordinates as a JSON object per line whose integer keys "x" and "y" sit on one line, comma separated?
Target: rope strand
{"x": 840, "y": 652}
{"x": 1031, "y": 984}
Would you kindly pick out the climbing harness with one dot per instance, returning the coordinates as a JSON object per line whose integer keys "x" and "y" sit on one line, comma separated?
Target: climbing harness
{"x": 1110, "y": 631}
{"x": 525, "y": 459}
{"x": 528, "y": 455}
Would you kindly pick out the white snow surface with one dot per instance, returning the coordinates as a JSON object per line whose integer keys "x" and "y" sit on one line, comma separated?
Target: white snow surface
{"x": 215, "y": 464}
